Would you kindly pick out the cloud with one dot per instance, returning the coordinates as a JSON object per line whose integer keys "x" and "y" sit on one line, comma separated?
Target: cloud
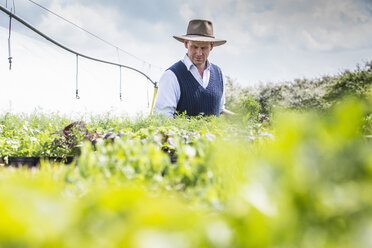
{"x": 317, "y": 25}
{"x": 267, "y": 39}
{"x": 102, "y": 23}
{"x": 314, "y": 25}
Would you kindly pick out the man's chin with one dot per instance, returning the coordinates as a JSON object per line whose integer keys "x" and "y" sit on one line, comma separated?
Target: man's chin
{"x": 198, "y": 62}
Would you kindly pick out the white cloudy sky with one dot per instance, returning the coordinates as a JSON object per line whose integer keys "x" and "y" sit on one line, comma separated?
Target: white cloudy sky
{"x": 268, "y": 41}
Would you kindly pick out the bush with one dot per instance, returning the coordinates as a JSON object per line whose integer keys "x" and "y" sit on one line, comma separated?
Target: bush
{"x": 305, "y": 94}
{"x": 356, "y": 84}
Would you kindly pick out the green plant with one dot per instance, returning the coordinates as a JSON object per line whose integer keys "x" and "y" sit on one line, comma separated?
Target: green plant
{"x": 309, "y": 186}
{"x": 250, "y": 108}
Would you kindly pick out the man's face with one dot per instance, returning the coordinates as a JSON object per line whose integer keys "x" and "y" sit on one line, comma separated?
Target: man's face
{"x": 198, "y": 52}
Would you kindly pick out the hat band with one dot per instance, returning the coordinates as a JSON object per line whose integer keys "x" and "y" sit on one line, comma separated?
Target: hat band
{"x": 210, "y": 36}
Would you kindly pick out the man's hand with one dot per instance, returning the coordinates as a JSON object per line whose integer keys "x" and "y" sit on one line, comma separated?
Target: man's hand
{"x": 227, "y": 112}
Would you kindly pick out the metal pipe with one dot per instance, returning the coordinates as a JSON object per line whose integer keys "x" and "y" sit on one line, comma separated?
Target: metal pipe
{"x": 9, "y": 47}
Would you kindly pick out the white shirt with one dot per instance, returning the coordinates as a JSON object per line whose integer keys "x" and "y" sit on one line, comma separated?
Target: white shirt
{"x": 169, "y": 91}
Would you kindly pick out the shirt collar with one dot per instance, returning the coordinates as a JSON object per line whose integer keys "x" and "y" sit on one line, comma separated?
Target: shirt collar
{"x": 189, "y": 64}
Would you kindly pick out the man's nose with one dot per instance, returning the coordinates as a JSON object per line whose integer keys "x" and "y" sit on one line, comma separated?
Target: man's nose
{"x": 198, "y": 51}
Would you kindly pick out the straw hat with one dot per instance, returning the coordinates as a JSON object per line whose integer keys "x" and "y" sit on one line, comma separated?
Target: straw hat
{"x": 200, "y": 30}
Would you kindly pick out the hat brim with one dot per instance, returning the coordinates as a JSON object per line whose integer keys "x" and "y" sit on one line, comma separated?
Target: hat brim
{"x": 182, "y": 38}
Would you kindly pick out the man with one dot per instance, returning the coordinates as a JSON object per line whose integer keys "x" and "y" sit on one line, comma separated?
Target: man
{"x": 193, "y": 85}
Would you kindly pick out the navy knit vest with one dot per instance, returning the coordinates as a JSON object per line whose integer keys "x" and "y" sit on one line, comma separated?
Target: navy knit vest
{"x": 195, "y": 99}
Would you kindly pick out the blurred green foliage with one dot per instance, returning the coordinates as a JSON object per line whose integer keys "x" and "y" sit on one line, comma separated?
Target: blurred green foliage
{"x": 308, "y": 185}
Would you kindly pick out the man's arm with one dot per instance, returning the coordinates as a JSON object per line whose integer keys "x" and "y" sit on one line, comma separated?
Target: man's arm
{"x": 168, "y": 95}
{"x": 224, "y": 111}
{"x": 227, "y": 112}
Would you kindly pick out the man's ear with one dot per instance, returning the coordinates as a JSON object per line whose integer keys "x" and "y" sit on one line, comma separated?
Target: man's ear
{"x": 186, "y": 44}
{"x": 212, "y": 45}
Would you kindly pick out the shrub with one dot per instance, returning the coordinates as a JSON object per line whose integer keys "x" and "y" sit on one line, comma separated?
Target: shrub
{"x": 356, "y": 84}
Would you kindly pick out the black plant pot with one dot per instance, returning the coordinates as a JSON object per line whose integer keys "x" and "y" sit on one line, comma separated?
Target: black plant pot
{"x": 34, "y": 161}
{"x": 173, "y": 159}
{"x": 23, "y": 161}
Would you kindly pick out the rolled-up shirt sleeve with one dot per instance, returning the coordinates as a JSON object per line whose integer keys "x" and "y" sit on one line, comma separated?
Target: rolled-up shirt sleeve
{"x": 168, "y": 95}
